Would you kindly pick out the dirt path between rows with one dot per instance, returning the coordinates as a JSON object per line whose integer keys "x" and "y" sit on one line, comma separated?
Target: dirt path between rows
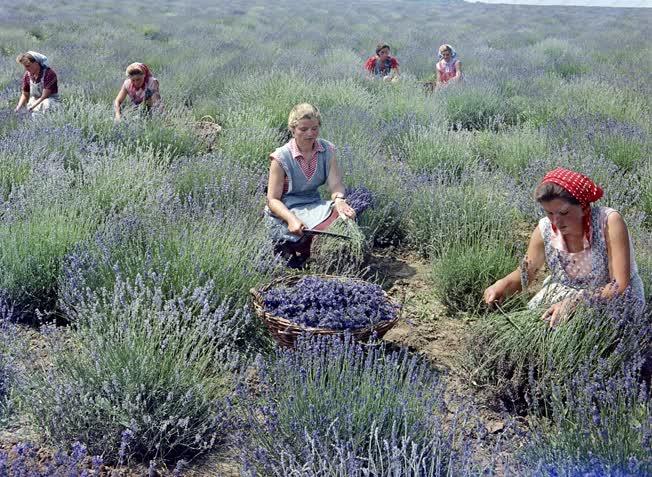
{"x": 426, "y": 329}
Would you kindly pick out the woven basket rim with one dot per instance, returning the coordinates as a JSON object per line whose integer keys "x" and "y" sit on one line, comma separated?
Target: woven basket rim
{"x": 290, "y": 327}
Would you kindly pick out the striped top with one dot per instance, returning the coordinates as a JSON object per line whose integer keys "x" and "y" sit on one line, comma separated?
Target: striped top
{"x": 307, "y": 166}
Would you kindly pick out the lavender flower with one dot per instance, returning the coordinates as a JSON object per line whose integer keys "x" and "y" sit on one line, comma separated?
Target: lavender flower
{"x": 360, "y": 199}
{"x": 331, "y": 406}
{"x": 335, "y": 304}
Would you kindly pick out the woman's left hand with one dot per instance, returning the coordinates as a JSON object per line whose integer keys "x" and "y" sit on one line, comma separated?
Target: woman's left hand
{"x": 558, "y": 312}
{"x": 344, "y": 209}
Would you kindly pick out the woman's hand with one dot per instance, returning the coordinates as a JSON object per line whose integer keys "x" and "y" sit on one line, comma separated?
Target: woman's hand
{"x": 296, "y": 227}
{"x": 558, "y": 312}
{"x": 494, "y": 294}
{"x": 344, "y": 209}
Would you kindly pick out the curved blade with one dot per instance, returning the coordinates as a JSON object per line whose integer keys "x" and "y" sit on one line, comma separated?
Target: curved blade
{"x": 323, "y": 232}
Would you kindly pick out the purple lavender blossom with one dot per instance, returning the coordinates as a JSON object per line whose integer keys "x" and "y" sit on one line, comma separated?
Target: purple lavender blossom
{"x": 333, "y": 407}
{"x": 334, "y": 304}
{"x": 360, "y": 199}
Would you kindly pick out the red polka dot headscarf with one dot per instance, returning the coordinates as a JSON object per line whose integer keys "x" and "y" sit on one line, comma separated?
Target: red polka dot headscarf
{"x": 581, "y": 188}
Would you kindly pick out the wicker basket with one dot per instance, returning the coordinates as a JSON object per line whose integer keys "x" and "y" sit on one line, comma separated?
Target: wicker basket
{"x": 286, "y": 332}
{"x": 208, "y": 129}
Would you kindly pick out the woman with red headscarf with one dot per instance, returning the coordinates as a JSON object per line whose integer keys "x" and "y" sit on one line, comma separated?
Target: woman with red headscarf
{"x": 586, "y": 248}
{"x": 140, "y": 86}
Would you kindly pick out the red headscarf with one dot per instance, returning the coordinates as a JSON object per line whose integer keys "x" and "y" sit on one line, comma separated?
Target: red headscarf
{"x": 581, "y": 188}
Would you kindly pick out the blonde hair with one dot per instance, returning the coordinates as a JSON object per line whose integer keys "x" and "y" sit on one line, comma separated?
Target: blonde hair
{"x": 303, "y": 111}
{"x": 24, "y": 57}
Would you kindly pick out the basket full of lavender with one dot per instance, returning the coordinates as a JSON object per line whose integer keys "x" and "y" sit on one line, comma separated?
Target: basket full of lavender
{"x": 324, "y": 305}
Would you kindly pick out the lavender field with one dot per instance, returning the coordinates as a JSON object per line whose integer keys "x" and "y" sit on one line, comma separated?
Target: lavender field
{"x": 128, "y": 341}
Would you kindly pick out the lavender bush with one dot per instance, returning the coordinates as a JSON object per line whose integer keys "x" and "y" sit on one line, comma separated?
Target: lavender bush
{"x": 520, "y": 354}
{"x": 429, "y": 149}
{"x": 446, "y": 212}
{"x": 475, "y": 107}
{"x": 226, "y": 250}
{"x": 462, "y": 272}
{"x": 510, "y": 150}
{"x": 139, "y": 375}
{"x": 32, "y": 253}
{"x": 600, "y": 423}
{"x": 217, "y": 183}
{"x": 11, "y": 355}
{"x": 331, "y": 406}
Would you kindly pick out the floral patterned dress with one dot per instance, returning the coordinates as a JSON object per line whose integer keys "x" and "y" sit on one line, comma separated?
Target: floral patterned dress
{"x": 570, "y": 273}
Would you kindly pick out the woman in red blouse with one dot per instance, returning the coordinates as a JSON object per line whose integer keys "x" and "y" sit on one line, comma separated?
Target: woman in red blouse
{"x": 40, "y": 90}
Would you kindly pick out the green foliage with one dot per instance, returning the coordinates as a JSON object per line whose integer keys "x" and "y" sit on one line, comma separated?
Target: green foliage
{"x": 518, "y": 353}
{"x": 32, "y": 251}
{"x": 442, "y": 215}
{"x": 471, "y": 108}
{"x": 429, "y": 149}
{"x": 605, "y": 417}
{"x": 14, "y": 172}
{"x": 511, "y": 150}
{"x": 336, "y": 256}
{"x": 329, "y": 391}
{"x": 463, "y": 270}
{"x": 626, "y": 153}
{"x": 217, "y": 183}
{"x": 231, "y": 252}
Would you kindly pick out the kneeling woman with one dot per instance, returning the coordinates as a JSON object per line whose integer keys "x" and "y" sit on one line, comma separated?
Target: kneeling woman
{"x": 587, "y": 249}
{"x": 296, "y": 172}
{"x": 140, "y": 86}
{"x": 382, "y": 64}
{"x": 449, "y": 67}
{"x": 40, "y": 89}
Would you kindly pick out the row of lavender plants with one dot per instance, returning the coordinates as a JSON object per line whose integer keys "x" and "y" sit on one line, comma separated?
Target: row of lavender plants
{"x": 145, "y": 243}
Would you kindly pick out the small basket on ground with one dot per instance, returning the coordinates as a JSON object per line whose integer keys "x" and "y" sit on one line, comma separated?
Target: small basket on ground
{"x": 286, "y": 331}
{"x": 208, "y": 130}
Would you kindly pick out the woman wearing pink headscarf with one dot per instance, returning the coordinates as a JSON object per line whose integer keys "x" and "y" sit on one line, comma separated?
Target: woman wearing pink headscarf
{"x": 140, "y": 86}
{"x": 587, "y": 249}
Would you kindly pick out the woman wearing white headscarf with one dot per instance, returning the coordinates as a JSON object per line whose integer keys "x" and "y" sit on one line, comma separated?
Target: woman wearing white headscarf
{"x": 40, "y": 90}
{"x": 449, "y": 67}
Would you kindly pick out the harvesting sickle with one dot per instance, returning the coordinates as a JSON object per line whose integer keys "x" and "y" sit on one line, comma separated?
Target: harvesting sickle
{"x": 141, "y": 87}
{"x": 296, "y": 172}
{"x": 382, "y": 64}
{"x": 40, "y": 90}
{"x": 587, "y": 249}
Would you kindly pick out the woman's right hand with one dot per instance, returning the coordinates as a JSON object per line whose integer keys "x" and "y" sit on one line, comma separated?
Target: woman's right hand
{"x": 296, "y": 227}
{"x": 494, "y": 293}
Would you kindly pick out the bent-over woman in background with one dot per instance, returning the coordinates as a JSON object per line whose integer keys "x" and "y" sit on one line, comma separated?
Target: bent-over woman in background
{"x": 296, "y": 172}
{"x": 40, "y": 89}
{"x": 587, "y": 249}
{"x": 141, "y": 87}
